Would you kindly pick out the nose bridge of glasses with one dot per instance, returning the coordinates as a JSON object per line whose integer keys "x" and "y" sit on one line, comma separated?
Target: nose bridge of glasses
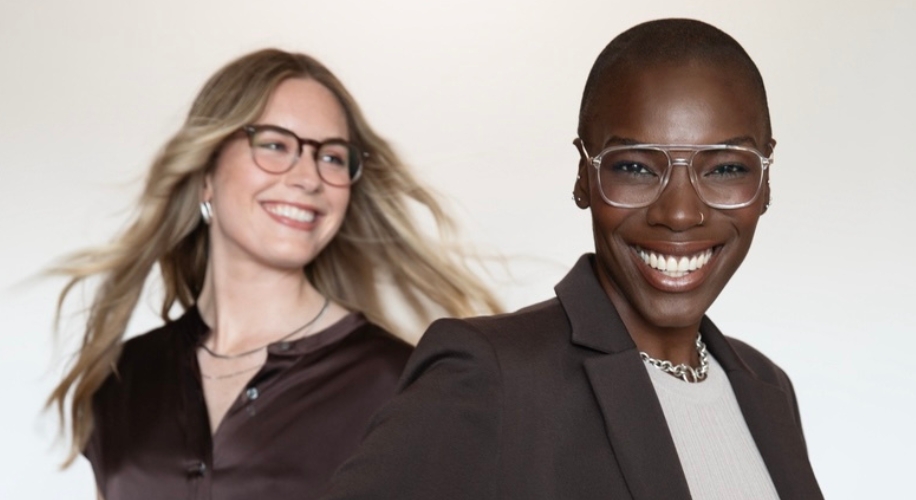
{"x": 674, "y": 182}
{"x": 297, "y": 160}
{"x": 679, "y": 155}
{"x": 312, "y": 143}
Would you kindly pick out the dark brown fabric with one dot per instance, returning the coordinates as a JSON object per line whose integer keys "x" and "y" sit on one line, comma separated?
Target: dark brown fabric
{"x": 553, "y": 402}
{"x": 295, "y": 422}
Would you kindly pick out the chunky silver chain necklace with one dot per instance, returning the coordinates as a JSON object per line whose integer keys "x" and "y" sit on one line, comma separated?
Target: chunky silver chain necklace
{"x": 258, "y": 349}
{"x": 682, "y": 371}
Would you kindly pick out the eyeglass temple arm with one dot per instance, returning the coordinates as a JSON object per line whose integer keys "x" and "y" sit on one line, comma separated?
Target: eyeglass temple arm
{"x": 580, "y": 145}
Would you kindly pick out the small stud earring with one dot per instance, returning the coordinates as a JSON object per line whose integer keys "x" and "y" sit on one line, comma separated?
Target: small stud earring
{"x": 206, "y": 212}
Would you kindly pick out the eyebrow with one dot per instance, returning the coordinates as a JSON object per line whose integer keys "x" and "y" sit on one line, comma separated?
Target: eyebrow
{"x": 627, "y": 141}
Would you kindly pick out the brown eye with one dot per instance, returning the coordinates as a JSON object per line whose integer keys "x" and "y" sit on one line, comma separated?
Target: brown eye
{"x": 728, "y": 170}
{"x": 273, "y": 146}
{"x": 632, "y": 168}
{"x": 335, "y": 154}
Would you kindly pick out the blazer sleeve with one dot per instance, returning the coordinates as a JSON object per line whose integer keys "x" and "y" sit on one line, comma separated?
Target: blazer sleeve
{"x": 439, "y": 436}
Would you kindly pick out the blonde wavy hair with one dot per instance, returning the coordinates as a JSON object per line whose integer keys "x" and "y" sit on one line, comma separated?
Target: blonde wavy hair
{"x": 378, "y": 240}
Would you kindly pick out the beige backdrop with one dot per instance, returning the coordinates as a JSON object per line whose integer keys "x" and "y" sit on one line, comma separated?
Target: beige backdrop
{"x": 481, "y": 96}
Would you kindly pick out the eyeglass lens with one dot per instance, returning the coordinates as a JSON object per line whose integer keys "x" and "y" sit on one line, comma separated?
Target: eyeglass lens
{"x": 276, "y": 151}
{"x": 724, "y": 177}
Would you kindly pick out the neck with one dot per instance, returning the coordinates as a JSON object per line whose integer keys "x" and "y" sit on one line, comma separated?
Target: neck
{"x": 248, "y": 305}
{"x": 676, "y": 344}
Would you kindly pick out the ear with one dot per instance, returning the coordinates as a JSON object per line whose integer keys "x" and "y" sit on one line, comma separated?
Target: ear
{"x": 771, "y": 145}
{"x": 581, "y": 187}
{"x": 206, "y": 192}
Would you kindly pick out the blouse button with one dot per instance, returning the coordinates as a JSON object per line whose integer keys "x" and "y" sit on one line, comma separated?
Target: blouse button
{"x": 252, "y": 393}
{"x": 197, "y": 470}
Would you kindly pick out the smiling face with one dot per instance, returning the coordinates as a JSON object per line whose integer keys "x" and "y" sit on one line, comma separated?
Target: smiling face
{"x": 671, "y": 103}
{"x": 279, "y": 220}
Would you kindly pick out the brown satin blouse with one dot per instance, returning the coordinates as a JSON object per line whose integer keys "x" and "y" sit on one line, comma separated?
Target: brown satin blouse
{"x": 293, "y": 424}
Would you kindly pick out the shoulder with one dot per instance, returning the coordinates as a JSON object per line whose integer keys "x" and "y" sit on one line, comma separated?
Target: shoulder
{"x": 533, "y": 323}
{"x": 759, "y": 364}
{"x": 539, "y": 326}
{"x": 494, "y": 344}
{"x": 375, "y": 348}
{"x": 147, "y": 360}
{"x": 159, "y": 344}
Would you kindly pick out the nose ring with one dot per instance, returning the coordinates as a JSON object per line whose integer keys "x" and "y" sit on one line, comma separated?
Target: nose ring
{"x": 702, "y": 219}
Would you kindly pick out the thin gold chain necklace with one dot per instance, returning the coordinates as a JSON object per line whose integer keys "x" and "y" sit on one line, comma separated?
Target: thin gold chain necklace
{"x": 259, "y": 349}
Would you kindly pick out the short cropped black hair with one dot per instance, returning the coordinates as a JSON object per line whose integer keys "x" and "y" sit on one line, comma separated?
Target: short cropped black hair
{"x": 667, "y": 41}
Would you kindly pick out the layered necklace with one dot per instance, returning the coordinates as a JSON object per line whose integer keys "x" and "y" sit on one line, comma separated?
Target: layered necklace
{"x": 256, "y": 350}
{"x": 682, "y": 371}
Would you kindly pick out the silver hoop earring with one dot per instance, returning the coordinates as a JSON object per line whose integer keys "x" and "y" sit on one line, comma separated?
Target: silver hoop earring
{"x": 206, "y": 212}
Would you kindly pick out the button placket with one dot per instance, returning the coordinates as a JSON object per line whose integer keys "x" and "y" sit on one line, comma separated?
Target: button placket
{"x": 197, "y": 470}
{"x": 252, "y": 393}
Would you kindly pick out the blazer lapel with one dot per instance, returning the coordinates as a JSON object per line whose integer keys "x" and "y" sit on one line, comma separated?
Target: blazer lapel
{"x": 636, "y": 427}
{"x": 771, "y": 420}
{"x": 635, "y": 423}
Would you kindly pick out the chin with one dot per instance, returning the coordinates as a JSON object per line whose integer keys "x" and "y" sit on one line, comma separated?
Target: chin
{"x": 671, "y": 310}
{"x": 675, "y": 320}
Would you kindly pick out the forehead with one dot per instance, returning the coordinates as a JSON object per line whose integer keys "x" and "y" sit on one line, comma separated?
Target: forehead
{"x": 306, "y": 107}
{"x": 675, "y": 103}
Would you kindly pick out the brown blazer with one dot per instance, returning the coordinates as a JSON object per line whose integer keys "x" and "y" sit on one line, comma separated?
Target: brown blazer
{"x": 553, "y": 402}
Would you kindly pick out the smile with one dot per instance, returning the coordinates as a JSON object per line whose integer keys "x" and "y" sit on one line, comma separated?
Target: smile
{"x": 673, "y": 265}
{"x": 290, "y": 212}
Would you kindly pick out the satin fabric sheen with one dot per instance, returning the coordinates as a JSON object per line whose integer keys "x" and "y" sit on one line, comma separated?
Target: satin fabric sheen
{"x": 293, "y": 424}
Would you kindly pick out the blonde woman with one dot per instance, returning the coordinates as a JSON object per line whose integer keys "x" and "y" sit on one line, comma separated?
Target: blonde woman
{"x": 272, "y": 215}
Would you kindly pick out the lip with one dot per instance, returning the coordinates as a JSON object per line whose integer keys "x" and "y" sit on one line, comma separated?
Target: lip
{"x": 675, "y": 284}
{"x": 289, "y": 221}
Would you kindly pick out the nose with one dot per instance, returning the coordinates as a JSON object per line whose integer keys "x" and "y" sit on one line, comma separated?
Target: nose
{"x": 304, "y": 174}
{"x": 678, "y": 207}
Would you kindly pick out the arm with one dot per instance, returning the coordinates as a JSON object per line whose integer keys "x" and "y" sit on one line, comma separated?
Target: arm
{"x": 439, "y": 437}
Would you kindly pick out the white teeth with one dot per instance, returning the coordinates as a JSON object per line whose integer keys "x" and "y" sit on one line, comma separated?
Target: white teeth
{"x": 672, "y": 264}
{"x": 290, "y": 212}
{"x": 675, "y": 266}
{"x": 683, "y": 265}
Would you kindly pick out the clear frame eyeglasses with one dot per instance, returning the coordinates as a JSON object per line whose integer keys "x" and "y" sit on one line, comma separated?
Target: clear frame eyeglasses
{"x": 634, "y": 176}
{"x": 275, "y": 150}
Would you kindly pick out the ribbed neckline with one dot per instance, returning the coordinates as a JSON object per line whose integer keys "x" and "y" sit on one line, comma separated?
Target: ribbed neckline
{"x": 712, "y": 388}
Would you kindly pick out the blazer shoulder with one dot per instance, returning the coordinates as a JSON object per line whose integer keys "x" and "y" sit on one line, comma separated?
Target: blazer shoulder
{"x": 537, "y": 320}
{"x": 759, "y": 364}
{"x": 517, "y": 344}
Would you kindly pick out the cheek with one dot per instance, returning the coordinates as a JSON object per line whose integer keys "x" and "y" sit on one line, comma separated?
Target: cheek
{"x": 608, "y": 221}
{"x": 338, "y": 201}
{"x": 745, "y": 220}
{"x": 236, "y": 180}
